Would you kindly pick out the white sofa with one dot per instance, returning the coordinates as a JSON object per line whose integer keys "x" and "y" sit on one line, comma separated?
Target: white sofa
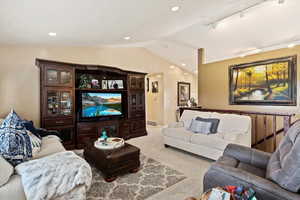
{"x": 232, "y": 129}
{"x": 13, "y": 189}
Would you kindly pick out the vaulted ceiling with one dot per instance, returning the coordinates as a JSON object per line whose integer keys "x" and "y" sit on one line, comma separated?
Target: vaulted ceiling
{"x": 219, "y": 26}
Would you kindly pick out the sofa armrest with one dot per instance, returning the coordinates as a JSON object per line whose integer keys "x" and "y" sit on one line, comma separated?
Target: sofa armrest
{"x": 176, "y": 125}
{"x": 223, "y": 175}
{"x": 247, "y": 155}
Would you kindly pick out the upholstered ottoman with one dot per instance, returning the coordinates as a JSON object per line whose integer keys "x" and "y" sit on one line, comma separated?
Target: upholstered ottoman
{"x": 113, "y": 162}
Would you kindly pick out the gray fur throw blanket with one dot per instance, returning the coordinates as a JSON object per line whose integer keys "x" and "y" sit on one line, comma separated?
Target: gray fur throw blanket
{"x": 62, "y": 175}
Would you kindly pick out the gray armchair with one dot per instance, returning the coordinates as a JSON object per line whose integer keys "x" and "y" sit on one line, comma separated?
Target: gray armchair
{"x": 240, "y": 165}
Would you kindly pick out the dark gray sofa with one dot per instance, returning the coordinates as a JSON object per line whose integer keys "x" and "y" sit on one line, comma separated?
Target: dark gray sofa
{"x": 241, "y": 165}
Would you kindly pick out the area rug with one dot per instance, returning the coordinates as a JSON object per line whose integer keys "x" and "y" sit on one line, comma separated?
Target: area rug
{"x": 152, "y": 178}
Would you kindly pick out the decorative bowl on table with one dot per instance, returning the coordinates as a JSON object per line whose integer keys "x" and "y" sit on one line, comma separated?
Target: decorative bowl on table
{"x": 110, "y": 143}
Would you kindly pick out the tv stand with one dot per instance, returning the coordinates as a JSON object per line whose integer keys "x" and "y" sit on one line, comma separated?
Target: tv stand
{"x": 60, "y": 87}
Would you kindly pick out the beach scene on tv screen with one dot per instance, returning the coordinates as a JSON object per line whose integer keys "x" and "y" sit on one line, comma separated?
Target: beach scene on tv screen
{"x": 101, "y": 104}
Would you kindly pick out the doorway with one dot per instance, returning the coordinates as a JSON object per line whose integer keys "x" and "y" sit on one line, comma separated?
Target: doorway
{"x": 155, "y": 99}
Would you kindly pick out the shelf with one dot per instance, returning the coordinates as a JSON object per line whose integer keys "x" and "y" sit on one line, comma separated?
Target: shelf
{"x": 100, "y": 90}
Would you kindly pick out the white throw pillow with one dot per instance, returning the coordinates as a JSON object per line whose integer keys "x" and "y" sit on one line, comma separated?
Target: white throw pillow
{"x": 6, "y": 170}
{"x": 36, "y": 143}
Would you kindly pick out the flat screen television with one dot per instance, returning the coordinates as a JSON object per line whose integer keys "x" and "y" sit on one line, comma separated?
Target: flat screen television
{"x": 99, "y": 104}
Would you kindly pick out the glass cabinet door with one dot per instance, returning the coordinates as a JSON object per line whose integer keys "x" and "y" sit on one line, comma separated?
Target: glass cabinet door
{"x": 59, "y": 103}
{"x": 56, "y": 76}
{"x": 66, "y": 103}
{"x": 52, "y": 103}
{"x": 65, "y": 78}
{"x": 52, "y": 77}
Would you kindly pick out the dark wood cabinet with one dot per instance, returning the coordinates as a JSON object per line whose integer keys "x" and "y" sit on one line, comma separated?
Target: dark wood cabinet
{"x": 136, "y": 82}
{"x": 57, "y": 100}
{"x": 60, "y": 108}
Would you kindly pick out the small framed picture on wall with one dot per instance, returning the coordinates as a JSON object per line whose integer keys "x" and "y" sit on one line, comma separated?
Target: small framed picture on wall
{"x": 183, "y": 93}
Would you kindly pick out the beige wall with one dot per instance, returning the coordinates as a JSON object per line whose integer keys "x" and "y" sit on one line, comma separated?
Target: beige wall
{"x": 19, "y": 77}
{"x": 214, "y": 82}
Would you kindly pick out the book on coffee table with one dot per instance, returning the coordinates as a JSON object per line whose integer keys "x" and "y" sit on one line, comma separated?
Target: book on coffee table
{"x": 217, "y": 194}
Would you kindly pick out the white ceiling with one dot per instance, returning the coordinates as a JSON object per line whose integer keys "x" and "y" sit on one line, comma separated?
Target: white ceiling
{"x": 175, "y": 36}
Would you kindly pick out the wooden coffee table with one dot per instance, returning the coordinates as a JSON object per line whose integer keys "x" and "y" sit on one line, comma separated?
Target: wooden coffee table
{"x": 112, "y": 163}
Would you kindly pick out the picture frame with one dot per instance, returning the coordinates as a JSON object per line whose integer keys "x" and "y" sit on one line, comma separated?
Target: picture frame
{"x": 115, "y": 84}
{"x": 268, "y": 82}
{"x": 104, "y": 84}
{"x": 95, "y": 84}
{"x": 148, "y": 84}
{"x": 183, "y": 93}
{"x": 155, "y": 87}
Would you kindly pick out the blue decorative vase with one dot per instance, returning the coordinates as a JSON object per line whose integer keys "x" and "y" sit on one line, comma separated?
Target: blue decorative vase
{"x": 103, "y": 136}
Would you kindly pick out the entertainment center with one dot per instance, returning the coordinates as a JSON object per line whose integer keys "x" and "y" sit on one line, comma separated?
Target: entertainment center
{"x": 80, "y": 101}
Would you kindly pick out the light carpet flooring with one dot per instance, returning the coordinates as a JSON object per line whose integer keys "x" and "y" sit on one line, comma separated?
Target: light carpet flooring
{"x": 193, "y": 167}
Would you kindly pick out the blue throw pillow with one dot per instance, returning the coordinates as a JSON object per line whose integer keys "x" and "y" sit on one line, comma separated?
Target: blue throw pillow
{"x": 15, "y": 143}
{"x": 30, "y": 127}
{"x": 214, "y": 123}
{"x": 12, "y": 120}
{"x": 200, "y": 127}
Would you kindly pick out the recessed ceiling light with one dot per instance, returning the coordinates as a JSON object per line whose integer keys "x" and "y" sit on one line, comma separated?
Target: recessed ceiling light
{"x": 183, "y": 64}
{"x": 172, "y": 67}
{"x": 291, "y": 45}
{"x": 175, "y": 8}
{"x": 52, "y": 34}
{"x": 127, "y": 38}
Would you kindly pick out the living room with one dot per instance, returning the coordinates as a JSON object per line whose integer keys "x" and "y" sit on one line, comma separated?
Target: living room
{"x": 149, "y": 100}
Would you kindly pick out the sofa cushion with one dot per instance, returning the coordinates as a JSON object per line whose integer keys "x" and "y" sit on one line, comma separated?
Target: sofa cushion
{"x": 283, "y": 166}
{"x": 6, "y": 171}
{"x": 50, "y": 145}
{"x": 15, "y": 144}
{"x": 178, "y": 133}
{"x": 214, "y": 123}
{"x": 13, "y": 189}
{"x": 188, "y": 115}
{"x": 228, "y": 123}
{"x": 198, "y": 126}
{"x": 211, "y": 140}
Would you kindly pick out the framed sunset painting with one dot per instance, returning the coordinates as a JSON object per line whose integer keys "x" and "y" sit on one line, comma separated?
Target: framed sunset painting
{"x": 267, "y": 82}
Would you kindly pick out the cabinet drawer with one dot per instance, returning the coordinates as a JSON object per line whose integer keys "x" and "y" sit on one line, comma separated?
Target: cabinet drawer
{"x": 138, "y": 125}
{"x": 87, "y": 130}
{"x": 136, "y": 114}
{"x": 58, "y": 122}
